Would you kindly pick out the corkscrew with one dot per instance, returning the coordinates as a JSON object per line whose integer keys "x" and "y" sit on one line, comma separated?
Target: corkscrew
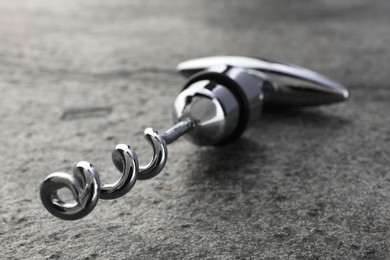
{"x": 222, "y": 97}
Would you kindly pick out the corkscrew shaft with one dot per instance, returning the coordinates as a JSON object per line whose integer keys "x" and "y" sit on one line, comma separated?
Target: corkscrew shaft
{"x": 178, "y": 130}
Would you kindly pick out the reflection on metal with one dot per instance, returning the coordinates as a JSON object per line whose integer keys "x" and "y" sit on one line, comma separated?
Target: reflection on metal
{"x": 223, "y": 96}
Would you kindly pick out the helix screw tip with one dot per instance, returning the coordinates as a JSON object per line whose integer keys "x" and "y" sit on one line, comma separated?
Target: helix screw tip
{"x": 85, "y": 184}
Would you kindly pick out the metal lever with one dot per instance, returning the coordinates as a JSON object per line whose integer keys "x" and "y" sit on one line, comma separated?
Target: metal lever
{"x": 291, "y": 85}
{"x": 223, "y": 96}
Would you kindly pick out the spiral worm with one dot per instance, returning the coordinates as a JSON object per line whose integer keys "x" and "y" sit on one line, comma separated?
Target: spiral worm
{"x": 85, "y": 184}
{"x": 160, "y": 154}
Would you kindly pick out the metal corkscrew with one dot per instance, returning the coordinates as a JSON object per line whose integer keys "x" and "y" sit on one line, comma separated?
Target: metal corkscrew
{"x": 223, "y": 96}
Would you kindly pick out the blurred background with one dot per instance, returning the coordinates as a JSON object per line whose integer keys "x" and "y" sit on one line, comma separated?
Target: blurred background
{"x": 78, "y": 77}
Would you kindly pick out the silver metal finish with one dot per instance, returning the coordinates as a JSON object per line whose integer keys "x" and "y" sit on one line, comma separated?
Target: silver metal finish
{"x": 222, "y": 98}
{"x": 211, "y": 107}
{"x": 181, "y": 128}
{"x": 291, "y": 85}
{"x": 85, "y": 184}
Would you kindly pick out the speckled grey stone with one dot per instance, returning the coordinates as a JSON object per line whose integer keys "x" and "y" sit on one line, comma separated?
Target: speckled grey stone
{"x": 78, "y": 77}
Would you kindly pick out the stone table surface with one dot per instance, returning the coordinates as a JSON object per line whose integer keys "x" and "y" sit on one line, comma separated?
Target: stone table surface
{"x": 78, "y": 77}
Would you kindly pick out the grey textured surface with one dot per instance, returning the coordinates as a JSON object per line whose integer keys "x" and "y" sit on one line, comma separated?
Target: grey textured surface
{"x": 78, "y": 77}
